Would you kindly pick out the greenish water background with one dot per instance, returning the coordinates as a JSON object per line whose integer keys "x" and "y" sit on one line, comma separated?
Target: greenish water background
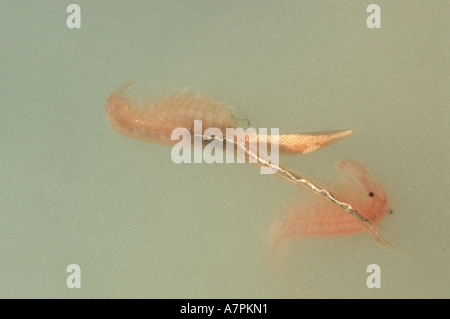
{"x": 74, "y": 191}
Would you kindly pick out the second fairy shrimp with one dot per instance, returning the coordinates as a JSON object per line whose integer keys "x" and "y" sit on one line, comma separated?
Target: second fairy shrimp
{"x": 332, "y": 214}
{"x": 328, "y": 218}
{"x": 155, "y": 121}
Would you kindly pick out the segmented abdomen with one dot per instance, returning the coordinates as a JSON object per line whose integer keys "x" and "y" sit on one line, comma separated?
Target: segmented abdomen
{"x": 156, "y": 121}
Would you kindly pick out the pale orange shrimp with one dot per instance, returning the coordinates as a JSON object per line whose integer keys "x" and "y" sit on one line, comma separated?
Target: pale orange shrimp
{"x": 331, "y": 217}
{"x": 157, "y": 119}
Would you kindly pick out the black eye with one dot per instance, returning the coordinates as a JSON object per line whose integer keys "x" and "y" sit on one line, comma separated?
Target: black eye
{"x": 371, "y": 194}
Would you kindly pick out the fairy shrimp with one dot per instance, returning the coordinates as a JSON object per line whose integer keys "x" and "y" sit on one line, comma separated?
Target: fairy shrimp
{"x": 331, "y": 218}
{"x": 155, "y": 121}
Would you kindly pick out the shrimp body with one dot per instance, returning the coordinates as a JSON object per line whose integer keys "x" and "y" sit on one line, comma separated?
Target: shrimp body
{"x": 158, "y": 118}
{"x": 156, "y": 121}
{"x": 323, "y": 218}
{"x": 303, "y": 143}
